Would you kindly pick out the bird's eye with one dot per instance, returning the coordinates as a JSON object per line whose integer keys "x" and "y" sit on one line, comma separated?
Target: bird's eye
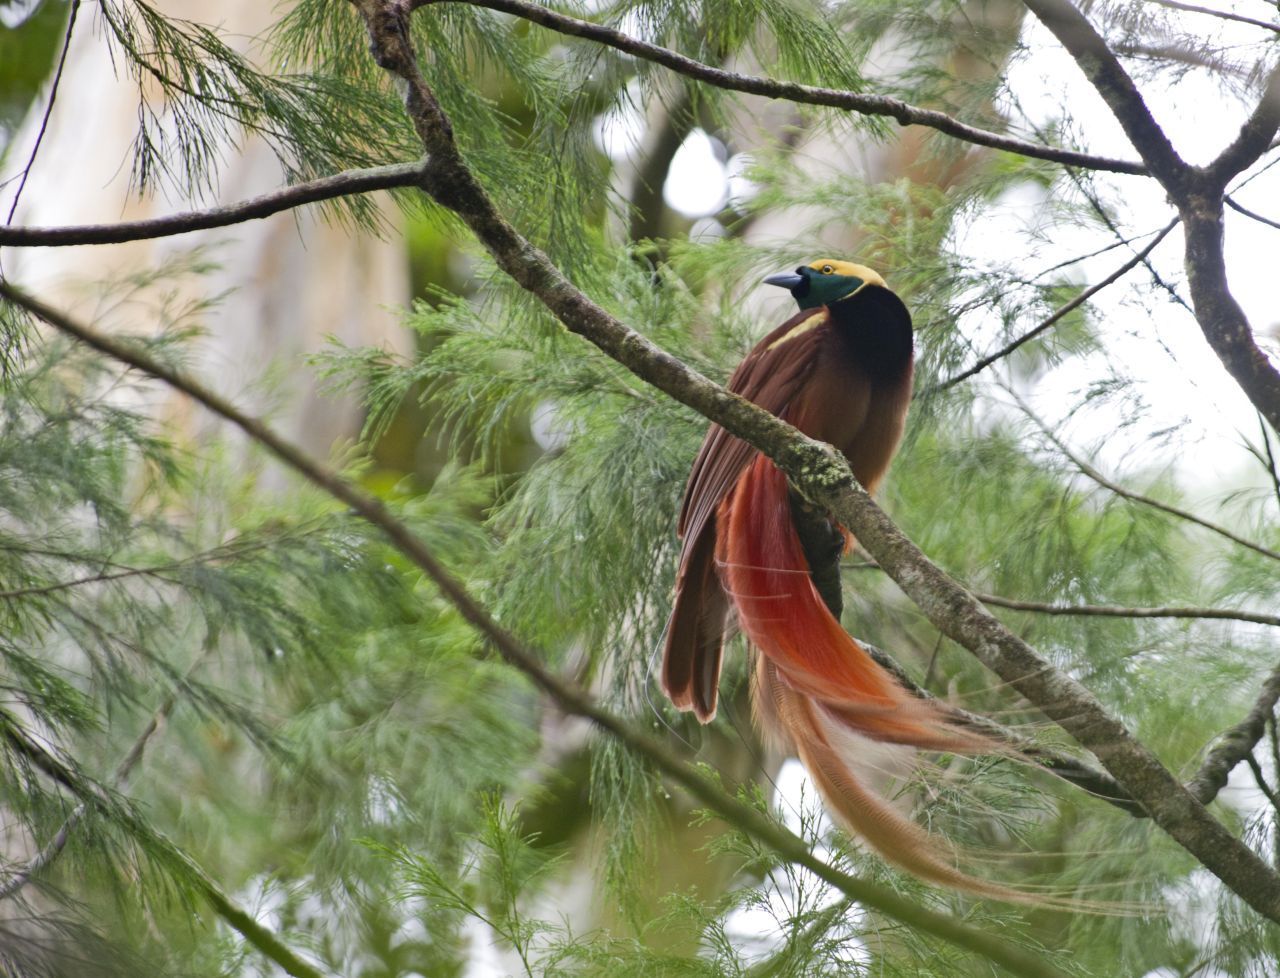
{"x": 827, "y": 269}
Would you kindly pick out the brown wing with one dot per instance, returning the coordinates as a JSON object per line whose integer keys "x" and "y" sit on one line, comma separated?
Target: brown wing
{"x": 771, "y": 376}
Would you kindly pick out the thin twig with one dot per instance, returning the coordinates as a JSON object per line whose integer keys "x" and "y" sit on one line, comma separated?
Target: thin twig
{"x": 1104, "y": 610}
{"x": 1269, "y": 461}
{"x": 568, "y": 697}
{"x": 48, "y": 109}
{"x": 124, "y": 572}
{"x": 1118, "y": 611}
{"x": 1260, "y": 780}
{"x": 1123, "y": 242}
{"x": 874, "y": 105}
{"x": 1058, "y": 313}
{"x": 1137, "y": 497}
{"x": 1231, "y": 202}
{"x": 342, "y": 184}
{"x": 1221, "y": 14}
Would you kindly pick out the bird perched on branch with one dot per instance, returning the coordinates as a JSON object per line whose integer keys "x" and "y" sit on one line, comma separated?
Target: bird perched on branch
{"x": 756, "y": 555}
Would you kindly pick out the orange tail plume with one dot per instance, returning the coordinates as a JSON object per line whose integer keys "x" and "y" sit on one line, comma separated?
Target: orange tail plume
{"x": 815, "y": 686}
{"x": 763, "y": 567}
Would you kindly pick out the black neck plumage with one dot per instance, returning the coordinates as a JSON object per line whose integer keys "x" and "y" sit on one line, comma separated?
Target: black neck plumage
{"x": 875, "y": 328}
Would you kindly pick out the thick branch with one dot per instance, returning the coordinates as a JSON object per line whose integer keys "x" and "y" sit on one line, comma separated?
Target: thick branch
{"x": 326, "y": 188}
{"x": 568, "y": 697}
{"x": 1254, "y": 138}
{"x": 1235, "y": 744}
{"x": 1197, "y": 192}
{"x": 1057, "y": 314}
{"x": 822, "y": 475}
{"x": 875, "y": 105}
{"x": 1113, "y": 83}
{"x": 1223, "y": 322}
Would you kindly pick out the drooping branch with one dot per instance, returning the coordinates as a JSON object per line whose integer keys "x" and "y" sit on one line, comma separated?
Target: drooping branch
{"x": 48, "y": 109}
{"x": 862, "y": 103}
{"x": 1054, "y": 317}
{"x": 53, "y": 848}
{"x": 822, "y": 475}
{"x": 312, "y": 191}
{"x": 90, "y": 794}
{"x": 568, "y": 697}
{"x": 1137, "y": 497}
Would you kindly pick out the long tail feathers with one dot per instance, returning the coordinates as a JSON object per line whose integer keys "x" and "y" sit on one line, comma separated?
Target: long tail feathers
{"x": 815, "y": 685}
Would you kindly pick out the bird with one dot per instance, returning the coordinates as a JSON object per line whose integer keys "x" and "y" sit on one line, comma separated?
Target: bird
{"x": 756, "y": 556}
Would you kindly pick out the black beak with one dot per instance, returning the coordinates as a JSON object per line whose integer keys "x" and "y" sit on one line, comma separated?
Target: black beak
{"x": 785, "y": 280}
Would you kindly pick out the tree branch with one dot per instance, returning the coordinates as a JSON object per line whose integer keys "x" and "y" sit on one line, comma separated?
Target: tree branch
{"x": 568, "y": 697}
{"x": 1248, "y": 213}
{"x": 312, "y": 191}
{"x": 54, "y": 847}
{"x": 1093, "y": 610}
{"x": 1236, "y": 743}
{"x": 1057, "y": 314}
{"x": 875, "y": 105}
{"x": 1117, "y": 611}
{"x": 1221, "y": 14}
{"x": 1113, "y": 83}
{"x": 1197, "y": 193}
{"x": 823, "y": 476}
{"x": 123, "y": 571}
{"x": 48, "y": 109}
{"x": 91, "y": 794}
{"x": 1254, "y": 138}
{"x": 1223, "y": 322}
